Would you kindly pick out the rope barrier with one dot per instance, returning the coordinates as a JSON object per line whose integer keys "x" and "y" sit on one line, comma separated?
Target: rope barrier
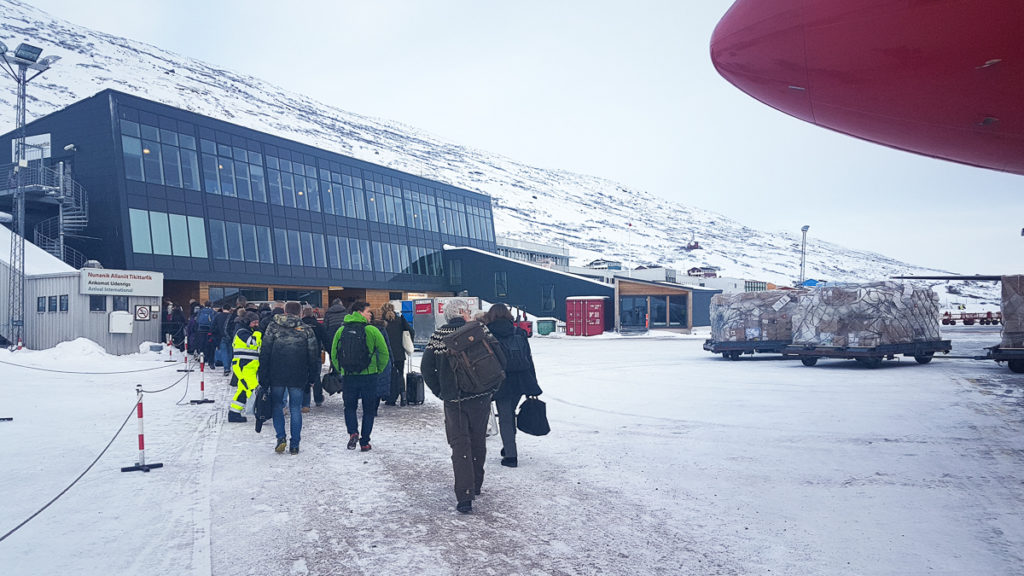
{"x": 87, "y": 373}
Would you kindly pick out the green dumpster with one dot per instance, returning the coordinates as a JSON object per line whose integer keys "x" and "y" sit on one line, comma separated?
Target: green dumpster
{"x": 546, "y": 326}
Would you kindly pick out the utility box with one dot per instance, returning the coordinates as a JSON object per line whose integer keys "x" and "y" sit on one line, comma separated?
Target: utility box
{"x": 546, "y": 325}
{"x": 585, "y": 315}
{"x": 121, "y": 322}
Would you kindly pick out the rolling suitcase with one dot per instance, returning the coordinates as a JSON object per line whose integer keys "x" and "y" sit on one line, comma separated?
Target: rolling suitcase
{"x": 413, "y": 388}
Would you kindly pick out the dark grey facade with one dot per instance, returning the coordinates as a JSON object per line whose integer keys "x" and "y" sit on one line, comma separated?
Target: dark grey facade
{"x": 206, "y": 201}
{"x": 539, "y": 291}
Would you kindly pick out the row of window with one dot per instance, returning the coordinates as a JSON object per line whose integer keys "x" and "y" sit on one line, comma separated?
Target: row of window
{"x": 167, "y": 234}
{"x": 169, "y": 157}
{"x": 177, "y": 235}
{"x": 50, "y": 303}
{"x": 97, "y": 303}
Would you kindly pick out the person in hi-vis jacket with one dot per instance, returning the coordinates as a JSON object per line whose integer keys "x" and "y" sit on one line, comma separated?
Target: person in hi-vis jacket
{"x": 245, "y": 363}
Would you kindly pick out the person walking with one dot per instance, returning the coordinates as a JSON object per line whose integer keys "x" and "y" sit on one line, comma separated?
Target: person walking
{"x": 397, "y": 326}
{"x": 245, "y": 364}
{"x": 465, "y": 415}
{"x": 333, "y": 320}
{"x": 520, "y": 377}
{"x": 173, "y": 322}
{"x": 321, "y": 336}
{"x": 359, "y": 353}
{"x": 384, "y": 378}
{"x": 289, "y": 363}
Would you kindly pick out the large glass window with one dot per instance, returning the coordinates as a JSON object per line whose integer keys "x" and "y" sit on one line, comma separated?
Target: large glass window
{"x": 632, "y": 311}
{"x": 179, "y": 235}
{"x": 241, "y": 242}
{"x": 547, "y": 297}
{"x": 281, "y": 241}
{"x": 139, "y": 220}
{"x": 132, "y": 157}
{"x": 233, "y": 171}
{"x": 228, "y": 295}
{"x": 159, "y": 156}
{"x": 218, "y": 241}
{"x": 677, "y": 311}
{"x": 265, "y": 247}
{"x": 659, "y": 312}
{"x": 161, "y": 232}
{"x": 197, "y": 237}
{"x": 233, "y": 234}
{"x": 500, "y": 285}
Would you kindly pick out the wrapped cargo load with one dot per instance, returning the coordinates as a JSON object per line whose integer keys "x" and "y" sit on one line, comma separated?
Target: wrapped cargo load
{"x": 753, "y": 316}
{"x": 1013, "y": 312}
{"x": 866, "y": 315}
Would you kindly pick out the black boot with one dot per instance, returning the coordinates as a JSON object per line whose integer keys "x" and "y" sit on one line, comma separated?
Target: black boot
{"x": 236, "y": 417}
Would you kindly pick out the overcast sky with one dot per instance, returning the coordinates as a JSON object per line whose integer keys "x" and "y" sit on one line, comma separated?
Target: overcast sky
{"x": 623, "y": 90}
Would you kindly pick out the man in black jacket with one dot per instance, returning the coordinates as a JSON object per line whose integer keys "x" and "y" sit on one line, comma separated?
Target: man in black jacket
{"x": 289, "y": 364}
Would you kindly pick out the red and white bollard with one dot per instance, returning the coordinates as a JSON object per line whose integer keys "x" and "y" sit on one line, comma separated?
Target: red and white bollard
{"x": 202, "y": 382}
{"x": 141, "y": 464}
{"x": 185, "y": 359}
{"x": 19, "y": 343}
{"x": 170, "y": 348}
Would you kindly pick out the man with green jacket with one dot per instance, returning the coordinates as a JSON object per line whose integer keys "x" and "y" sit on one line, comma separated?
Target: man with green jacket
{"x": 359, "y": 353}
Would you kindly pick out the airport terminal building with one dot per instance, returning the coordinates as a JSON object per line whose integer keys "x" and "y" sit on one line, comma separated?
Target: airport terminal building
{"x": 222, "y": 210}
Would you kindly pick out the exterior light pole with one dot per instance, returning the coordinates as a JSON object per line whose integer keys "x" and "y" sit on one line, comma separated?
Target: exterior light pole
{"x": 803, "y": 253}
{"x": 17, "y": 65}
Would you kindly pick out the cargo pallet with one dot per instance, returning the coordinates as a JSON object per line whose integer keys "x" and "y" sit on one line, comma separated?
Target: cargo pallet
{"x": 870, "y": 357}
{"x": 733, "y": 350}
{"x": 1014, "y": 357}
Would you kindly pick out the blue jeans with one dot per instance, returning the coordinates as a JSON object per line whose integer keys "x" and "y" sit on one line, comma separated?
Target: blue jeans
{"x": 277, "y": 394}
{"x": 227, "y": 353}
{"x": 360, "y": 387}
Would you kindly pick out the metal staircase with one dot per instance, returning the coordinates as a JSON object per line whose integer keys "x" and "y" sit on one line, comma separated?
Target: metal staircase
{"x": 53, "y": 186}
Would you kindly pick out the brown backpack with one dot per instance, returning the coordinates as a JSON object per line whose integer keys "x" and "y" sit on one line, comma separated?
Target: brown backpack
{"x": 478, "y": 362}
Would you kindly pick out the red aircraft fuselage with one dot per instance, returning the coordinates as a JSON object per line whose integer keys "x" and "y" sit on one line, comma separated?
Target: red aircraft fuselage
{"x": 943, "y": 78}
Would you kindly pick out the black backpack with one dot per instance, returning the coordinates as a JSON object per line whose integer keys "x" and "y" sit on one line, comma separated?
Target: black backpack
{"x": 205, "y": 319}
{"x": 517, "y": 352}
{"x": 353, "y": 354}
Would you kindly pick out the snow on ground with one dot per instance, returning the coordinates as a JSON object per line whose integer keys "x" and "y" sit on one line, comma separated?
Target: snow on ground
{"x": 663, "y": 459}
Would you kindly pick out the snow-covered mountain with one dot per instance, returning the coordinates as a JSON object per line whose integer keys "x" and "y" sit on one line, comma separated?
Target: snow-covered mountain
{"x": 592, "y": 217}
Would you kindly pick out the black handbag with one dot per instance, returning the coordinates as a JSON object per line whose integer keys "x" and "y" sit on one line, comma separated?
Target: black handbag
{"x": 533, "y": 417}
{"x": 262, "y": 406}
{"x": 332, "y": 383}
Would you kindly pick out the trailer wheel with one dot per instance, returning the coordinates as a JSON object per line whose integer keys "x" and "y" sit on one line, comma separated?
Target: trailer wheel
{"x": 725, "y": 355}
{"x": 924, "y": 358}
{"x": 809, "y": 361}
{"x": 1016, "y": 366}
{"x": 735, "y": 355}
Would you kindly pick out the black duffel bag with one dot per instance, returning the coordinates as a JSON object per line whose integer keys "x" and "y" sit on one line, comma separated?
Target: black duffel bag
{"x": 533, "y": 417}
{"x": 332, "y": 383}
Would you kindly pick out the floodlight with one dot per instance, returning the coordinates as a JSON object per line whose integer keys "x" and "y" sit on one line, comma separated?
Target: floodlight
{"x": 3, "y": 48}
{"x": 27, "y": 52}
{"x": 805, "y": 228}
{"x": 6, "y": 218}
{"x": 48, "y": 61}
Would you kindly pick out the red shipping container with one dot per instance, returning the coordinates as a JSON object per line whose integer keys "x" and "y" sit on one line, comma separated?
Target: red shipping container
{"x": 584, "y": 315}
